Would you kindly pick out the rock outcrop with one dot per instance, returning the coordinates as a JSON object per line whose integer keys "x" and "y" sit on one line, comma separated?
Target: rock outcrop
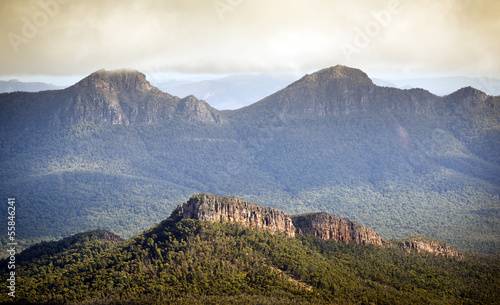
{"x": 236, "y": 210}
{"x": 327, "y": 226}
{"x": 425, "y": 244}
{"x": 106, "y": 235}
{"x": 323, "y": 225}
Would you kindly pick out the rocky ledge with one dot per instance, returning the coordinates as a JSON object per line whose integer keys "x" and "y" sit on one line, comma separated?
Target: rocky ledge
{"x": 426, "y": 244}
{"x": 323, "y": 225}
{"x": 328, "y": 226}
{"x": 236, "y": 210}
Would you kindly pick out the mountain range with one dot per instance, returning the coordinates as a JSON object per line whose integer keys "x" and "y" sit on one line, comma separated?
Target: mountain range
{"x": 16, "y": 85}
{"x": 445, "y": 85}
{"x": 114, "y": 152}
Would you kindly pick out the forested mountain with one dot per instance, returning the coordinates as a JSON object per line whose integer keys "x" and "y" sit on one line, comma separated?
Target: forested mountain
{"x": 244, "y": 255}
{"x": 113, "y": 152}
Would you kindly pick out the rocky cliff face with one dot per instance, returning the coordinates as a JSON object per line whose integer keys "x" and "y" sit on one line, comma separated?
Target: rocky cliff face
{"x": 425, "y": 244}
{"x": 328, "y": 226}
{"x": 230, "y": 209}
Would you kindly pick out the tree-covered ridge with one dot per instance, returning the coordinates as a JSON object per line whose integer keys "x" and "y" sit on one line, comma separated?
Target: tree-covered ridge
{"x": 74, "y": 248}
{"x": 181, "y": 260}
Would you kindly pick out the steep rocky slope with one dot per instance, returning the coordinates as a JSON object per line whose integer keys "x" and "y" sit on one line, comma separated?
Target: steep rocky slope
{"x": 120, "y": 97}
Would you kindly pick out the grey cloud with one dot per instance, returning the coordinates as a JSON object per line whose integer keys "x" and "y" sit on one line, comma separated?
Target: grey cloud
{"x": 197, "y": 36}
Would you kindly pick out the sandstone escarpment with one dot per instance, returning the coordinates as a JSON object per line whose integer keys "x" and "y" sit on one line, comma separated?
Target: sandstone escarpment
{"x": 424, "y": 244}
{"x": 323, "y": 225}
{"x": 328, "y": 226}
{"x": 229, "y": 209}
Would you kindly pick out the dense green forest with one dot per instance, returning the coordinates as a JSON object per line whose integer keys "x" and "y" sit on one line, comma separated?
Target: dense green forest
{"x": 96, "y": 177}
{"x": 195, "y": 262}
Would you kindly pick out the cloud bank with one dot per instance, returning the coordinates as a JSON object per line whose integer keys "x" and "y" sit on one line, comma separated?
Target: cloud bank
{"x": 69, "y": 37}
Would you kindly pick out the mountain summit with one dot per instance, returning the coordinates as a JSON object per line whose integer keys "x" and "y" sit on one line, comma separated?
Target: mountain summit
{"x": 337, "y": 73}
{"x": 340, "y": 90}
{"x": 105, "y": 97}
{"x": 124, "y": 80}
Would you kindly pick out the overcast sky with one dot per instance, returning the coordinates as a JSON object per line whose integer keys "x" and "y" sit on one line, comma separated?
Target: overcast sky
{"x": 45, "y": 39}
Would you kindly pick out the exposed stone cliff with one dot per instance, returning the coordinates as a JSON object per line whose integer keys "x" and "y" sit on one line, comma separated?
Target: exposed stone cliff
{"x": 230, "y": 209}
{"x": 328, "y": 226}
{"x": 323, "y": 225}
{"x": 419, "y": 244}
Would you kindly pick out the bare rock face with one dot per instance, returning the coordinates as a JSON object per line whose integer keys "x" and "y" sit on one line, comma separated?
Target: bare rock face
{"x": 323, "y": 225}
{"x": 229, "y": 209}
{"x": 328, "y": 226}
{"x": 424, "y": 244}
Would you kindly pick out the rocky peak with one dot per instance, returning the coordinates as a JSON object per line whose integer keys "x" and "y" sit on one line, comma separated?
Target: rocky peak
{"x": 338, "y": 91}
{"x": 327, "y": 226}
{"x": 130, "y": 81}
{"x": 468, "y": 92}
{"x": 336, "y": 73}
{"x": 229, "y": 209}
{"x": 195, "y": 110}
{"x": 467, "y": 98}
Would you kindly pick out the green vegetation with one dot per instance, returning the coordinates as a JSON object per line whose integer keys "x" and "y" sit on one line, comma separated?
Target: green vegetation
{"x": 91, "y": 176}
{"x": 195, "y": 262}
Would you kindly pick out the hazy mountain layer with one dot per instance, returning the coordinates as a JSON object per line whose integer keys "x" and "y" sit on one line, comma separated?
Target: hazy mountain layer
{"x": 16, "y": 85}
{"x": 230, "y": 92}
